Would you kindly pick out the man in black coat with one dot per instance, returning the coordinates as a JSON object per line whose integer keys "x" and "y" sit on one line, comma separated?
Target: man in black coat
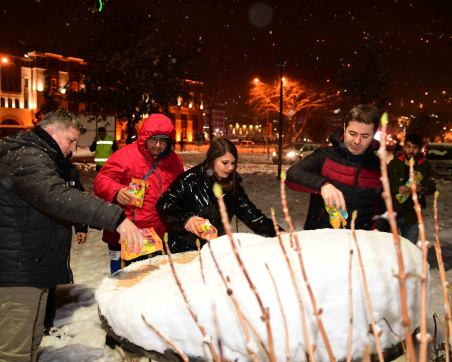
{"x": 37, "y": 210}
{"x": 345, "y": 175}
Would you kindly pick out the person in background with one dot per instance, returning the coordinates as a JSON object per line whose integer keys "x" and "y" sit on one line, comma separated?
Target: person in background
{"x": 345, "y": 176}
{"x": 399, "y": 174}
{"x": 151, "y": 159}
{"x": 37, "y": 211}
{"x": 103, "y": 146}
{"x": 190, "y": 202}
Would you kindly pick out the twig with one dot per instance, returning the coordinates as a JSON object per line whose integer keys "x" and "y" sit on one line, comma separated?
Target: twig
{"x": 442, "y": 273}
{"x": 350, "y": 307}
{"x": 240, "y": 314}
{"x": 423, "y": 336}
{"x": 402, "y": 276}
{"x": 375, "y": 329}
{"x": 286, "y": 329}
{"x": 227, "y": 227}
{"x": 207, "y": 339}
{"x": 315, "y": 307}
{"x": 217, "y": 331}
{"x": 198, "y": 246}
{"x": 309, "y": 347}
{"x": 169, "y": 342}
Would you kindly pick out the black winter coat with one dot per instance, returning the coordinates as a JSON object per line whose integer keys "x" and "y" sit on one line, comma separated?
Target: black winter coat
{"x": 191, "y": 194}
{"x": 356, "y": 176}
{"x": 38, "y": 209}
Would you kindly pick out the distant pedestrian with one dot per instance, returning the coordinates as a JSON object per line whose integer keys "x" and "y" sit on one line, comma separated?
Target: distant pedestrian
{"x": 399, "y": 174}
{"x": 182, "y": 144}
{"x": 103, "y": 146}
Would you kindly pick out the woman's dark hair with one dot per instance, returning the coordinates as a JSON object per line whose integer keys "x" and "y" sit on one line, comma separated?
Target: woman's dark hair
{"x": 217, "y": 149}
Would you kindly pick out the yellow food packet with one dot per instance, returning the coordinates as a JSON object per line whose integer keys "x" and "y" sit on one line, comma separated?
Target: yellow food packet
{"x": 207, "y": 230}
{"x": 338, "y": 217}
{"x": 401, "y": 198}
{"x": 137, "y": 187}
{"x": 151, "y": 244}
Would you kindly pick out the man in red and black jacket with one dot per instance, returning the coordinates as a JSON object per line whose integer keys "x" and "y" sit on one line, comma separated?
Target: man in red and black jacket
{"x": 345, "y": 175}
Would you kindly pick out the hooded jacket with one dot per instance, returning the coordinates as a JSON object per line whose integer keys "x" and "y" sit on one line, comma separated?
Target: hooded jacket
{"x": 192, "y": 195}
{"x": 134, "y": 161}
{"x": 37, "y": 210}
{"x": 399, "y": 173}
{"x": 356, "y": 176}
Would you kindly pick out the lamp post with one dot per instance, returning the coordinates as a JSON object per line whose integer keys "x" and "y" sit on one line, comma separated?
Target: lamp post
{"x": 281, "y": 64}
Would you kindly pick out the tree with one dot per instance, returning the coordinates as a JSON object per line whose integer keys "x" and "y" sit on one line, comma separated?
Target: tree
{"x": 131, "y": 73}
{"x": 52, "y": 99}
{"x": 299, "y": 102}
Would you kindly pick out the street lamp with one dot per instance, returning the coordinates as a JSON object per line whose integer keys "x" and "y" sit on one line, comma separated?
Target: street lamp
{"x": 281, "y": 64}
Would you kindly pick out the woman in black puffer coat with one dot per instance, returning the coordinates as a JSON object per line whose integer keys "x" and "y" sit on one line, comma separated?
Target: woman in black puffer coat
{"x": 190, "y": 199}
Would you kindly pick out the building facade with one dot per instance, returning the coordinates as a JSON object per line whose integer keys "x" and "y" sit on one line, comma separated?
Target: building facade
{"x": 24, "y": 81}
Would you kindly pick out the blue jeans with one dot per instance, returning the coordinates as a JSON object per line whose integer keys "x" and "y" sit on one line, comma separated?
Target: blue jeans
{"x": 408, "y": 231}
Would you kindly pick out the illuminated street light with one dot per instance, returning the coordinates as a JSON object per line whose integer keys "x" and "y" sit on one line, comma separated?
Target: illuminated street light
{"x": 281, "y": 64}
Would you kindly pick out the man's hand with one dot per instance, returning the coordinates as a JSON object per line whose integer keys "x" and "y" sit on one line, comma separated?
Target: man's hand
{"x": 403, "y": 189}
{"x": 129, "y": 233}
{"x": 191, "y": 224}
{"x": 333, "y": 197}
{"x": 124, "y": 197}
{"x": 81, "y": 237}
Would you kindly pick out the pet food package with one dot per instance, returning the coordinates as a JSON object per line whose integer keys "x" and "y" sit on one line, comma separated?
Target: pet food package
{"x": 207, "y": 230}
{"x": 137, "y": 187}
{"x": 338, "y": 217}
{"x": 151, "y": 244}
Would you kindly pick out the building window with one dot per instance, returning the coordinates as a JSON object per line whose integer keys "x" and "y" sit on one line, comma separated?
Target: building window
{"x": 25, "y": 103}
{"x": 10, "y": 103}
{"x": 2, "y": 102}
{"x": 172, "y": 116}
{"x": 16, "y": 103}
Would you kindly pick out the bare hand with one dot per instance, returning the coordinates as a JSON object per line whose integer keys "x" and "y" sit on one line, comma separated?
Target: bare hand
{"x": 129, "y": 233}
{"x": 124, "y": 197}
{"x": 81, "y": 237}
{"x": 192, "y": 223}
{"x": 333, "y": 197}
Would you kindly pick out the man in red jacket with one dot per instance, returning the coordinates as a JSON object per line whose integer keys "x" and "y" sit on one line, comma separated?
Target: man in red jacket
{"x": 151, "y": 159}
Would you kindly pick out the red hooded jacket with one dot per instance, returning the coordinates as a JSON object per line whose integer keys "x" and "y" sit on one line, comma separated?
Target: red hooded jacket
{"x": 134, "y": 160}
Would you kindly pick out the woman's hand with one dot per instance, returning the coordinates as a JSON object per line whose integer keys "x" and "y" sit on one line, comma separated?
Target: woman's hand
{"x": 81, "y": 237}
{"x": 192, "y": 223}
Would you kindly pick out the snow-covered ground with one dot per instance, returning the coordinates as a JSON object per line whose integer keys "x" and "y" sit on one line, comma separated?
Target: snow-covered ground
{"x": 80, "y": 336}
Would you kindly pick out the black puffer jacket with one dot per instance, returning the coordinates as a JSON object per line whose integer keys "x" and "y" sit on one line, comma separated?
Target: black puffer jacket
{"x": 191, "y": 194}
{"x": 356, "y": 176}
{"x": 38, "y": 209}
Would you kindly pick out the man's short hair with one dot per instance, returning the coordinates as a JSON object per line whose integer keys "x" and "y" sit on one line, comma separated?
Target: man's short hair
{"x": 61, "y": 119}
{"x": 415, "y": 139}
{"x": 364, "y": 113}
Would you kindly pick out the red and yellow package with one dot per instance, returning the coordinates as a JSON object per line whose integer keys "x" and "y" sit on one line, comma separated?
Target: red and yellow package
{"x": 207, "y": 230}
{"x": 137, "y": 187}
{"x": 151, "y": 244}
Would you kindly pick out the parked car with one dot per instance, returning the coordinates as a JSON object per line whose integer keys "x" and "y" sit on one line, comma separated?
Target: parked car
{"x": 440, "y": 155}
{"x": 247, "y": 143}
{"x": 307, "y": 149}
{"x": 295, "y": 152}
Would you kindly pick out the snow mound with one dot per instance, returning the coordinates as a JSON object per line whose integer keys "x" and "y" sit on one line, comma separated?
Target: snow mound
{"x": 148, "y": 288}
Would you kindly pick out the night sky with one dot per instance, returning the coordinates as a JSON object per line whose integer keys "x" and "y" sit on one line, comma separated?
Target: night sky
{"x": 244, "y": 39}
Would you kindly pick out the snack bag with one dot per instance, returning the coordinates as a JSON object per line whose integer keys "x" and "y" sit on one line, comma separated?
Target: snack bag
{"x": 338, "y": 217}
{"x": 151, "y": 244}
{"x": 137, "y": 188}
{"x": 401, "y": 198}
{"x": 207, "y": 230}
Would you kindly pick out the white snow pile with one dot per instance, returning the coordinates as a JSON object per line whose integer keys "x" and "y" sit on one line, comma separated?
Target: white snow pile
{"x": 148, "y": 288}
